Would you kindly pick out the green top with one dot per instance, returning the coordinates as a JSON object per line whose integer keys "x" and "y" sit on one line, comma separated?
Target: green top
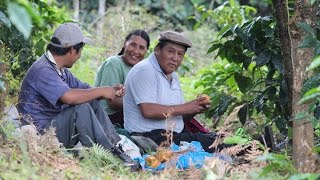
{"x": 113, "y": 71}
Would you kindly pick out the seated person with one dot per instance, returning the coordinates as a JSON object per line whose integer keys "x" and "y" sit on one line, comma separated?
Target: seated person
{"x": 51, "y": 96}
{"x": 115, "y": 69}
{"x": 154, "y": 103}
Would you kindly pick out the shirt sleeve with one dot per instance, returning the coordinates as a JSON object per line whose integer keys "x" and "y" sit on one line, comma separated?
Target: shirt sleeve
{"x": 50, "y": 85}
{"x": 74, "y": 82}
{"x": 144, "y": 86}
{"x": 109, "y": 74}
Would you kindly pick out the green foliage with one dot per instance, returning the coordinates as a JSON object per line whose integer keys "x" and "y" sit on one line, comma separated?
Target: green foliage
{"x": 97, "y": 159}
{"x": 255, "y": 69}
{"x": 23, "y": 50}
{"x": 302, "y": 176}
{"x": 240, "y": 137}
{"x": 26, "y": 27}
{"x": 173, "y": 11}
{"x": 279, "y": 163}
{"x": 20, "y": 17}
{"x": 7, "y": 129}
{"x": 225, "y": 15}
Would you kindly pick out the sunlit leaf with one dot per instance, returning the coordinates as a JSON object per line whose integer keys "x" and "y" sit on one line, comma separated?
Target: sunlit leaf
{"x": 4, "y": 19}
{"x": 310, "y": 95}
{"x": 20, "y": 18}
{"x": 314, "y": 64}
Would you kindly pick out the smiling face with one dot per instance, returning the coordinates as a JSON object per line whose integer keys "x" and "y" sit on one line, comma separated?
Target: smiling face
{"x": 134, "y": 50}
{"x": 170, "y": 56}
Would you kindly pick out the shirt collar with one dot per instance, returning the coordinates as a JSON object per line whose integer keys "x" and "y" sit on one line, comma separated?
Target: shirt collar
{"x": 155, "y": 62}
{"x": 53, "y": 61}
{"x": 156, "y": 65}
{"x": 51, "y": 58}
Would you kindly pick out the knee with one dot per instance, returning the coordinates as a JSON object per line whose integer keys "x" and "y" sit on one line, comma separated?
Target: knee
{"x": 83, "y": 107}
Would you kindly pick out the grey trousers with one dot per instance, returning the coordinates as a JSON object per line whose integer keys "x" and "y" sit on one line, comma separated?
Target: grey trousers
{"x": 87, "y": 123}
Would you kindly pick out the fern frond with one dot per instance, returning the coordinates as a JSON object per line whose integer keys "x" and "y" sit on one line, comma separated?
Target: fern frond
{"x": 98, "y": 157}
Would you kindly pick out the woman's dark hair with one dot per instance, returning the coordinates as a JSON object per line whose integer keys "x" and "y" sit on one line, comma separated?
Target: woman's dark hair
{"x": 137, "y": 32}
{"x": 60, "y": 51}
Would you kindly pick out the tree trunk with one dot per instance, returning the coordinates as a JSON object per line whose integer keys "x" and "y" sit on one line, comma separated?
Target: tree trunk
{"x": 101, "y": 12}
{"x": 303, "y": 133}
{"x": 76, "y": 8}
{"x": 295, "y": 62}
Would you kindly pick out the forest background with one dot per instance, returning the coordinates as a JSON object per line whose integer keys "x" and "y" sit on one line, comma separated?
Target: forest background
{"x": 238, "y": 58}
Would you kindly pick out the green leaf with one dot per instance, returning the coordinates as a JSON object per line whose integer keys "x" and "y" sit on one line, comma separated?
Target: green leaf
{"x": 20, "y": 18}
{"x": 314, "y": 64}
{"x": 310, "y": 95}
{"x": 308, "y": 41}
{"x": 224, "y": 103}
{"x": 244, "y": 83}
{"x": 236, "y": 140}
{"x": 312, "y": 2}
{"x": 2, "y": 86}
{"x": 307, "y": 28}
{"x": 225, "y": 31}
{"x": 277, "y": 63}
{"x": 304, "y": 176}
{"x": 214, "y": 47}
{"x": 301, "y": 115}
{"x": 263, "y": 58}
{"x": 243, "y": 114}
{"x": 5, "y": 20}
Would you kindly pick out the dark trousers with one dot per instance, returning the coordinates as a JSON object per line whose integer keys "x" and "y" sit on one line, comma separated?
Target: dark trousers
{"x": 206, "y": 140}
{"x": 87, "y": 123}
{"x": 117, "y": 119}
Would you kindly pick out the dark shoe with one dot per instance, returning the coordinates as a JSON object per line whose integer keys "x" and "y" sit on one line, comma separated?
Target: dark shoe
{"x": 128, "y": 162}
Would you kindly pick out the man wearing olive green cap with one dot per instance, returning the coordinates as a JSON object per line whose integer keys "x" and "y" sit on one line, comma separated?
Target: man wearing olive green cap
{"x": 153, "y": 92}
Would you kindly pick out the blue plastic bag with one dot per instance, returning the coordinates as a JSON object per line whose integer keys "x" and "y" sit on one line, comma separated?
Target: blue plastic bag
{"x": 195, "y": 158}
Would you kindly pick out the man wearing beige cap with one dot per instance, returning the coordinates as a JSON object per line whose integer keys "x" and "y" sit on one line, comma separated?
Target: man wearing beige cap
{"x": 51, "y": 96}
{"x": 153, "y": 93}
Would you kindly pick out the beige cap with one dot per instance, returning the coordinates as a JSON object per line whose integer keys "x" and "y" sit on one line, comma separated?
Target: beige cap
{"x": 175, "y": 37}
{"x": 70, "y": 34}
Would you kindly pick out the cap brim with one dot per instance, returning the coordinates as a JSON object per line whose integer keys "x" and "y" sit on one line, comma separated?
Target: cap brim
{"x": 88, "y": 41}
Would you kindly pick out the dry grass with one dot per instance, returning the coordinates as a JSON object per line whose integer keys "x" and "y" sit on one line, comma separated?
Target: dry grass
{"x": 45, "y": 151}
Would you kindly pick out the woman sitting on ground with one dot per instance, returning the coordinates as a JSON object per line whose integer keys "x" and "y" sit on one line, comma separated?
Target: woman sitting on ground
{"x": 114, "y": 70}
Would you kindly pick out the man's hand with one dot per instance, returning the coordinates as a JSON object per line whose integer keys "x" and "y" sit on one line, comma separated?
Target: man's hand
{"x": 195, "y": 106}
{"x": 205, "y": 100}
{"x": 119, "y": 90}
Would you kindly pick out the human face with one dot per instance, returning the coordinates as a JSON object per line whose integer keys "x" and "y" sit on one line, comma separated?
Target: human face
{"x": 74, "y": 56}
{"x": 134, "y": 50}
{"x": 170, "y": 56}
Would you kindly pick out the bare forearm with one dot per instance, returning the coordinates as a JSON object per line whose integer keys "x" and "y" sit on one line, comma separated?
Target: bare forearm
{"x": 79, "y": 96}
{"x": 156, "y": 111}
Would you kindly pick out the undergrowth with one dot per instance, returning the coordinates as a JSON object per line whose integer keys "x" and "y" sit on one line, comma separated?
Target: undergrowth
{"x": 26, "y": 155}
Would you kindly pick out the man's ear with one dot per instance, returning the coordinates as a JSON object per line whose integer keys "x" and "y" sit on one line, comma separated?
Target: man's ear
{"x": 157, "y": 50}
